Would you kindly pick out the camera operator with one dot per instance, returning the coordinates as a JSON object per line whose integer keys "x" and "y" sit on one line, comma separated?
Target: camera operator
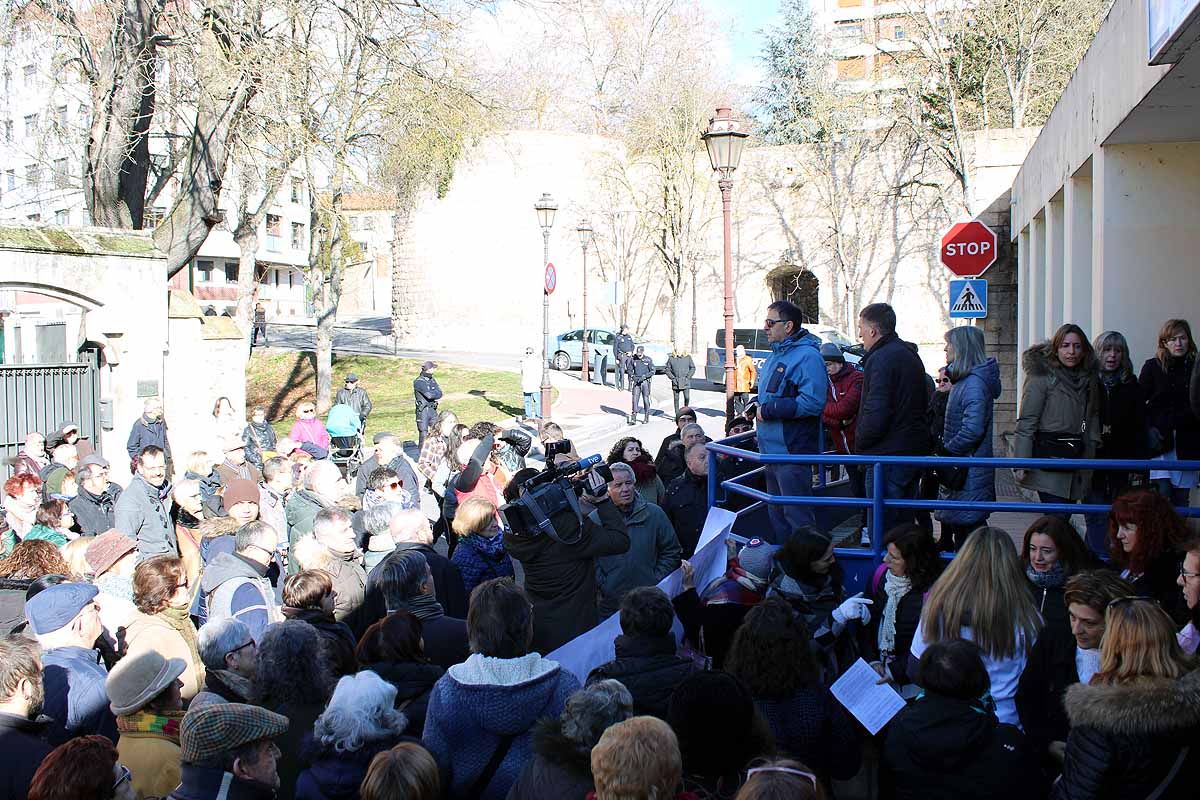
{"x": 560, "y": 578}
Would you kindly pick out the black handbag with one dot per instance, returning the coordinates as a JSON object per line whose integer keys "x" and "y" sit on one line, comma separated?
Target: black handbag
{"x": 1058, "y": 445}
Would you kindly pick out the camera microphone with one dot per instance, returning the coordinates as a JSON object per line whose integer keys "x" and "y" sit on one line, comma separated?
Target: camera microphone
{"x": 580, "y": 465}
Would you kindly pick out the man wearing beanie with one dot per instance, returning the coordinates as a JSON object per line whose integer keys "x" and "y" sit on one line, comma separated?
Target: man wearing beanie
{"x": 228, "y": 753}
{"x": 66, "y": 621}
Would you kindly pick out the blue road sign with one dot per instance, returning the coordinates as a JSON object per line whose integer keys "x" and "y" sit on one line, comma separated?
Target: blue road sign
{"x": 968, "y": 299}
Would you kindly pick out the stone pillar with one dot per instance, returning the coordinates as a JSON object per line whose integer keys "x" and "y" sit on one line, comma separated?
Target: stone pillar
{"x": 1053, "y": 265}
{"x": 1077, "y": 254}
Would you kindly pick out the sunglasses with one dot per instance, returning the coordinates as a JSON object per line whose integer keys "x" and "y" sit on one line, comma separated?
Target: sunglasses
{"x": 771, "y": 323}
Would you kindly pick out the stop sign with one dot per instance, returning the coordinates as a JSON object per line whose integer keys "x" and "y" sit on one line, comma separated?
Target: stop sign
{"x": 969, "y": 248}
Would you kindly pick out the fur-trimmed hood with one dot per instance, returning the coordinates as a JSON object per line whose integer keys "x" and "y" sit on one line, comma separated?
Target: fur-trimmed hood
{"x": 1035, "y": 362}
{"x": 1154, "y": 707}
{"x": 217, "y": 526}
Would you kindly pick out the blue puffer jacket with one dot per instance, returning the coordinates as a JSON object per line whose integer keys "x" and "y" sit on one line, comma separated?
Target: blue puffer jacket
{"x": 791, "y": 393}
{"x": 968, "y": 432}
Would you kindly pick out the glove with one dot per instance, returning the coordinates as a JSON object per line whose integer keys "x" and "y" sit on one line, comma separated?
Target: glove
{"x": 853, "y": 608}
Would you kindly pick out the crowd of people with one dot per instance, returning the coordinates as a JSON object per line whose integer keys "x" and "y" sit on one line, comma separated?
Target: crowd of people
{"x": 250, "y": 621}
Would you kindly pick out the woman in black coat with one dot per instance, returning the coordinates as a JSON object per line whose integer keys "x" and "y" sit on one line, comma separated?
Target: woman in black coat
{"x": 308, "y": 596}
{"x": 1144, "y": 534}
{"x": 1174, "y": 428}
{"x": 392, "y": 649}
{"x": 1051, "y": 553}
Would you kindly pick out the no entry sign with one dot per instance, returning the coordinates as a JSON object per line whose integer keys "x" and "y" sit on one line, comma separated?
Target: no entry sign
{"x": 551, "y": 279}
{"x": 969, "y": 248}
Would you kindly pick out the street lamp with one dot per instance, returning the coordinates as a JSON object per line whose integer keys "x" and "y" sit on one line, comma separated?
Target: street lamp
{"x": 725, "y": 139}
{"x": 584, "y": 229}
{"x": 545, "y": 208}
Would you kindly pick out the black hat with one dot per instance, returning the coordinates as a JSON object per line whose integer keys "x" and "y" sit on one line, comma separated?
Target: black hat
{"x": 351, "y": 378}
{"x": 831, "y": 352}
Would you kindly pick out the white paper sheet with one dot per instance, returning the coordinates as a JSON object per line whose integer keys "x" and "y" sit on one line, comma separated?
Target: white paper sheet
{"x": 872, "y": 703}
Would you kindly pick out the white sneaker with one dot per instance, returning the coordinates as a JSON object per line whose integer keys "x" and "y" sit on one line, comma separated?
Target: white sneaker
{"x": 864, "y": 540}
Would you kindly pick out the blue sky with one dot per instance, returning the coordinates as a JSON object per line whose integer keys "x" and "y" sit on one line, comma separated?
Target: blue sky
{"x": 745, "y": 18}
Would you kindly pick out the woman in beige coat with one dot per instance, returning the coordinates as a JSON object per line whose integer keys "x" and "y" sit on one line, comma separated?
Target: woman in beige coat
{"x": 162, "y": 595}
{"x": 1059, "y": 414}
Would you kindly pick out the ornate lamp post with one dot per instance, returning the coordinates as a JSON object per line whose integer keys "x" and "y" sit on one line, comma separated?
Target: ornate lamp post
{"x": 725, "y": 139}
{"x": 545, "y": 208}
{"x": 584, "y": 229}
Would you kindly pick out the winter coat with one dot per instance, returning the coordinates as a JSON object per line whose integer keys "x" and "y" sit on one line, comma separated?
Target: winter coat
{"x": 791, "y": 395}
{"x": 968, "y": 432}
{"x": 681, "y": 368}
{"x": 26, "y": 463}
{"x": 337, "y": 642}
{"x": 23, "y": 742}
{"x": 41, "y": 532}
{"x": 649, "y": 668}
{"x": 1052, "y": 605}
{"x": 841, "y": 409}
{"x": 653, "y": 554}
{"x": 95, "y": 513}
{"x": 486, "y": 703}
{"x": 639, "y": 370}
{"x": 153, "y": 758}
{"x": 291, "y": 763}
{"x": 1158, "y": 582}
{"x": 531, "y": 374}
{"x": 1055, "y": 399}
{"x": 258, "y": 439}
{"x": 686, "y": 506}
{"x": 141, "y": 513}
{"x": 350, "y": 583}
{"x": 744, "y": 375}
{"x": 908, "y": 617}
{"x": 560, "y": 768}
{"x": 337, "y": 775}
{"x": 357, "y": 398}
{"x": 205, "y": 783}
{"x": 301, "y": 510}
{"x": 145, "y": 433}
{"x": 560, "y": 579}
{"x": 447, "y": 584}
{"x": 310, "y": 430}
{"x": 1048, "y": 673}
{"x": 152, "y": 632}
{"x": 941, "y": 748}
{"x": 223, "y": 686}
{"x": 1125, "y": 740}
{"x": 1123, "y": 432}
{"x": 937, "y": 417}
{"x": 480, "y": 558}
{"x": 892, "y": 416}
{"x": 623, "y": 345}
{"x": 1168, "y": 408}
{"x": 710, "y": 624}
{"x": 272, "y": 509}
{"x": 408, "y": 477}
{"x": 413, "y": 683}
{"x": 426, "y": 392}
{"x": 814, "y": 728}
{"x": 73, "y": 681}
{"x": 235, "y": 587}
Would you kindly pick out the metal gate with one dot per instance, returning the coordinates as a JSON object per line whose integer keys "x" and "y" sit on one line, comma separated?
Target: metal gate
{"x": 39, "y": 397}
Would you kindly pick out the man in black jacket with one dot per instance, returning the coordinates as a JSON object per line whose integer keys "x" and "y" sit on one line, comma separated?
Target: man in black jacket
{"x": 95, "y": 505}
{"x": 681, "y": 368}
{"x": 426, "y": 393}
{"x": 640, "y": 371}
{"x": 22, "y": 737}
{"x": 893, "y": 412}
{"x": 687, "y": 499}
{"x": 409, "y": 530}
{"x": 646, "y": 661}
{"x": 356, "y": 397}
{"x": 560, "y": 578}
{"x": 623, "y": 351}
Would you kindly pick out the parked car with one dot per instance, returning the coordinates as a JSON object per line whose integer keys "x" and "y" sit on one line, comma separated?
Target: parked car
{"x": 567, "y": 352}
{"x": 755, "y": 341}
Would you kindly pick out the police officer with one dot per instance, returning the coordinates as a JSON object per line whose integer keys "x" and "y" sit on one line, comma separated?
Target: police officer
{"x": 641, "y": 370}
{"x": 623, "y": 350}
{"x": 426, "y": 393}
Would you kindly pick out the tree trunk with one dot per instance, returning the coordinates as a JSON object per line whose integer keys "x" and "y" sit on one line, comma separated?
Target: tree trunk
{"x": 246, "y": 238}
{"x": 695, "y": 341}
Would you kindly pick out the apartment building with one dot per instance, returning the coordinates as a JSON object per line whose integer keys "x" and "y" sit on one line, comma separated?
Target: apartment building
{"x": 864, "y": 38}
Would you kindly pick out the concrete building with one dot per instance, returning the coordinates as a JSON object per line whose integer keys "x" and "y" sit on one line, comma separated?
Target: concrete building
{"x": 863, "y": 38}
{"x": 1106, "y": 208}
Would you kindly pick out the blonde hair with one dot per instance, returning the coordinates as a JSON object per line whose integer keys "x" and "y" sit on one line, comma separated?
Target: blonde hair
{"x": 200, "y": 462}
{"x": 637, "y": 759}
{"x": 984, "y": 588}
{"x": 1139, "y": 643}
{"x": 309, "y": 554}
{"x": 474, "y": 516}
{"x": 74, "y": 553}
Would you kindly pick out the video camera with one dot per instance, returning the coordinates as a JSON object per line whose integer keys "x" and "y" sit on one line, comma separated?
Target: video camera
{"x": 549, "y": 501}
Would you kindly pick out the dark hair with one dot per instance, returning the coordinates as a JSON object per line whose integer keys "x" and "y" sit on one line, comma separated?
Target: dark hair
{"x": 406, "y": 771}
{"x": 500, "y": 619}
{"x": 154, "y": 581}
{"x": 33, "y": 558}
{"x": 401, "y": 576}
{"x": 771, "y": 653}
{"x": 788, "y": 312}
{"x": 778, "y": 779}
{"x": 646, "y": 611}
{"x": 394, "y": 639}
{"x": 380, "y": 477}
{"x": 881, "y": 315}
{"x": 798, "y": 553}
{"x": 39, "y": 585}
{"x": 307, "y": 588}
{"x": 954, "y": 668}
{"x": 1096, "y": 588}
{"x": 50, "y": 513}
{"x": 482, "y": 430}
{"x": 80, "y": 769}
{"x": 513, "y": 490}
{"x": 1072, "y": 552}
{"x": 287, "y": 671}
{"x": 617, "y": 452}
{"x": 1050, "y": 348}
{"x": 20, "y": 659}
{"x": 922, "y": 561}
{"x": 718, "y": 726}
{"x": 1159, "y": 528}
{"x": 150, "y": 451}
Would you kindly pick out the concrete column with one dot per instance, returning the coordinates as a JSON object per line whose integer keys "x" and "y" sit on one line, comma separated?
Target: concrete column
{"x": 1024, "y": 282}
{"x": 1037, "y": 278}
{"x": 1077, "y": 254}
{"x": 1054, "y": 264}
{"x": 1146, "y": 222}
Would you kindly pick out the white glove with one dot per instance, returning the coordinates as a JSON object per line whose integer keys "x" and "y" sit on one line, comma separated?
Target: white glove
{"x": 853, "y": 608}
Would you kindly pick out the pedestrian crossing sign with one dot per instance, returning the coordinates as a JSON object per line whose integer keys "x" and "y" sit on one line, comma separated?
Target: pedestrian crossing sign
{"x": 968, "y": 299}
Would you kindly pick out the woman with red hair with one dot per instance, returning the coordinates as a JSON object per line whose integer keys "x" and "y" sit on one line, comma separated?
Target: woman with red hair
{"x": 86, "y": 768}
{"x": 1143, "y": 534}
{"x": 22, "y": 496}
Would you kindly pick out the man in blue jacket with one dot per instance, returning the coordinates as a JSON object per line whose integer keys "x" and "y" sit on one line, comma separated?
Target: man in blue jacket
{"x": 791, "y": 396}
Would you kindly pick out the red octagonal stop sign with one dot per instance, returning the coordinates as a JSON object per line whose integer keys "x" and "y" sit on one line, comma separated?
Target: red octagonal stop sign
{"x": 969, "y": 248}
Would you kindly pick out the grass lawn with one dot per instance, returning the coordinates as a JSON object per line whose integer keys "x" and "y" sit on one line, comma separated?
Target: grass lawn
{"x": 280, "y": 382}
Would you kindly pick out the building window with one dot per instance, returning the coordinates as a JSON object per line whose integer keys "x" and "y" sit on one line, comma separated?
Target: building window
{"x": 60, "y": 115}
{"x": 62, "y": 173}
{"x": 298, "y": 236}
{"x": 62, "y": 217}
{"x": 848, "y": 31}
{"x": 11, "y": 175}
{"x": 368, "y": 223}
{"x": 366, "y": 247}
{"x": 33, "y": 174}
{"x": 205, "y": 271}
{"x": 297, "y": 190}
{"x": 899, "y": 34}
{"x": 231, "y": 272}
{"x": 30, "y": 74}
{"x": 31, "y": 124}
{"x": 274, "y": 233}
{"x": 852, "y": 69}
{"x": 34, "y": 217}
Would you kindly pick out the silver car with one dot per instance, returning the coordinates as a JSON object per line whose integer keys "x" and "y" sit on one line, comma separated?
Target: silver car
{"x": 567, "y": 349}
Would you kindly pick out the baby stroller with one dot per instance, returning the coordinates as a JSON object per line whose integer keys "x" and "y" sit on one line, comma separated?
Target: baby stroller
{"x": 345, "y": 439}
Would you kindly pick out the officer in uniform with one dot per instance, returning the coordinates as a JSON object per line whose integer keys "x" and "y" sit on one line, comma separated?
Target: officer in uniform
{"x": 641, "y": 370}
{"x": 426, "y": 393}
{"x": 623, "y": 350}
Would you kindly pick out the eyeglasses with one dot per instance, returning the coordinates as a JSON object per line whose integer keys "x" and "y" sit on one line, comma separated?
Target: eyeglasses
{"x": 771, "y": 323}
{"x": 125, "y": 776}
{"x": 240, "y": 647}
{"x": 1183, "y": 573}
{"x": 1129, "y": 599}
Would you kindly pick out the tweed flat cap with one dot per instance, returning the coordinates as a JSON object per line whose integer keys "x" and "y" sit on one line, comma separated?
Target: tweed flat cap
{"x": 55, "y": 607}
{"x": 210, "y": 730}
{"x": 138, "y": 678}
{"x": 107, "y": 549}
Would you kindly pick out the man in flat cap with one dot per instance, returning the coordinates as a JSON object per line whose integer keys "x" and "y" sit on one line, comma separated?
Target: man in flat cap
{"x": 356, "y": 397}
{"x": 95, "y": 505}
{"x": 66, "y": 621}
{"x": 426, "y": 393}
{"x": 227, "y": 751}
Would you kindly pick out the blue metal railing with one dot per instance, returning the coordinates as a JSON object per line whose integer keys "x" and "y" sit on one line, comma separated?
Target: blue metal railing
{"x": 878, "y": 503}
